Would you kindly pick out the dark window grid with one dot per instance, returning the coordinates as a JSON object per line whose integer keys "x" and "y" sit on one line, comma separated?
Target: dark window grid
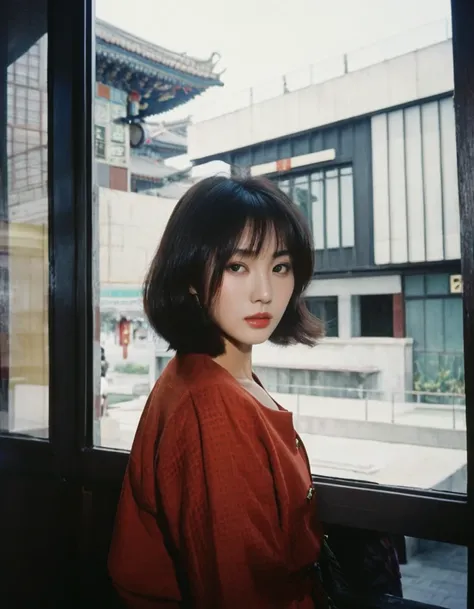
{"x": 21, "y": 73}
{"x": 100, "y": 143}
{"x": 28, "y": 170}
{"x": 325, "y": 309}
{"x": 321, "y": 177}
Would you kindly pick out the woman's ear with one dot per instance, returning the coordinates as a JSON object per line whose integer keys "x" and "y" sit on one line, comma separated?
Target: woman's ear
{"x": 192, "y": 291}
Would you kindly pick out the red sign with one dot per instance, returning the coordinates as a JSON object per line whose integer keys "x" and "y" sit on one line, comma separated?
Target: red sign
{"x": 124, "y": 332}
{"x": 283, "y": 165}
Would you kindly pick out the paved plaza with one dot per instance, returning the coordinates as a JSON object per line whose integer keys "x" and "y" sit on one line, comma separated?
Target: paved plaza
{"x": 437, "y": 576}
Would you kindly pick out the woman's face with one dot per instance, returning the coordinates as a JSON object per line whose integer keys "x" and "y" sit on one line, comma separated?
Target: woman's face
{"x": 254, "y": 294}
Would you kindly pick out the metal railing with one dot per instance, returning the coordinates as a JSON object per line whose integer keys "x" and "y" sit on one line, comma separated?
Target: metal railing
{"x": 224, "y": 101}
{"x": 415, "y": 408}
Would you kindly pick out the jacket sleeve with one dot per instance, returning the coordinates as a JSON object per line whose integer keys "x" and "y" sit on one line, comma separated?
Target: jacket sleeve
{"x": 230, "y": 545}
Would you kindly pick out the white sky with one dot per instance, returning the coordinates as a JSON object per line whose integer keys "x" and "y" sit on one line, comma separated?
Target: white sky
{"x": 259, "y": 40}
{"x": 262, "y": 38}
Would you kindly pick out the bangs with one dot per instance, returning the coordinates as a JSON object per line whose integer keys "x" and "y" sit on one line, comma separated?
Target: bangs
{"x": 254, "y": 233}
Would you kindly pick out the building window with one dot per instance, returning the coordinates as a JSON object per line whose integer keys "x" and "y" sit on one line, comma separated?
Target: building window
{"x": 326, "y": 198}
{"x": 325, "y": 309}
{"x": 100, "y": 142}
{"x": 434, "y": 321}
{"x": 339, "y": 384}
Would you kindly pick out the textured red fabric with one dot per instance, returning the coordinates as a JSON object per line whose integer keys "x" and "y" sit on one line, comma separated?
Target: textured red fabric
{"x": 216, "y": 510}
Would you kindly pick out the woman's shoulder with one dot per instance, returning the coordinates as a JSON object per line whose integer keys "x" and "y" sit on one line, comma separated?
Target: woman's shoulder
{"x": 206, "y": 389}
{"x": 201, "y": 375}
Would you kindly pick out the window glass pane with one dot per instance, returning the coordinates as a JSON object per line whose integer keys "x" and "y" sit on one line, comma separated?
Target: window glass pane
{"x": 284, "y": 185}
{"x": 347, "y": 210}
{"x": 325, "y": 309}
{"x": 283, "y": 376}
{"x": 298, "y": 381}
{"x": 434, "y": 317}
{"x": 453, "y": 324}
{"x": 24, "y": 349}
{"x": 386, "y": 387}
{"x": 317, "y": 212}
{"x": 331, "y": 317}
{"x": 332, "y": 210}
{"x": 415, "y": 316}
{"x": 301, "y": 195}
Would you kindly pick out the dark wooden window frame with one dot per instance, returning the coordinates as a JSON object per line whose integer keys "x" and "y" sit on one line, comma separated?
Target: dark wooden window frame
{"x": 70, "y": 452}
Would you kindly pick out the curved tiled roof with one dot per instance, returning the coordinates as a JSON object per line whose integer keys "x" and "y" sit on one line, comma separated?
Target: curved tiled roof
{"x": 202, "y": 68}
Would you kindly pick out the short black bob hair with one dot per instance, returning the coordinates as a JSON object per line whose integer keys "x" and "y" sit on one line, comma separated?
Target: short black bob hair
{"x": 201, "y": 236}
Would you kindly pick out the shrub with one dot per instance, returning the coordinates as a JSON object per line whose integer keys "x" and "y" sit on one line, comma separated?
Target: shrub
{"x": 132, "y": 368}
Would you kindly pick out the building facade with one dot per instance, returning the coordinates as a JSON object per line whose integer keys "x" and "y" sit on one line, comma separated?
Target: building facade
{"x": 135, "y": 80}
{"x": 370, "y": 158}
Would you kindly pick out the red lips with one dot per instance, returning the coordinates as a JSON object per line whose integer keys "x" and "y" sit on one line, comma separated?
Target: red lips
{"x": 259, "y": 320}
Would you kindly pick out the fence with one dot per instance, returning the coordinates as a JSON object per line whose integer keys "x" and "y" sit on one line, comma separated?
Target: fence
{"x": 416, "y": 408}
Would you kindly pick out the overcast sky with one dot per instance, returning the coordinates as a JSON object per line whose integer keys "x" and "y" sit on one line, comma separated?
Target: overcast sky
{"x": 259, "y": 40}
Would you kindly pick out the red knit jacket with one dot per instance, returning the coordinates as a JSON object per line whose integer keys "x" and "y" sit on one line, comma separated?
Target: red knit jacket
{"x": 217, "y": 508}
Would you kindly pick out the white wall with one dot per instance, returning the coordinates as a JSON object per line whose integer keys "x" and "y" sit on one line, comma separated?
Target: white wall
{"x": 130, "y": 228}
{"x": 416, "y": 209}
{"x": 418, "y": 75}
{"x": 355, "y": 286}
{"x": 391, "y": 357}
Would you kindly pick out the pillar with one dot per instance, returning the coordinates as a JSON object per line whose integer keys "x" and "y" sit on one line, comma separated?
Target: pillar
{"x": 398, "y": 316}
{"x": 344, "y": 314}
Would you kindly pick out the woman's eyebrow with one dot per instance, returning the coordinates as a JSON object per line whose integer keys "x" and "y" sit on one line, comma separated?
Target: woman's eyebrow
{"x": 253, "y": 253}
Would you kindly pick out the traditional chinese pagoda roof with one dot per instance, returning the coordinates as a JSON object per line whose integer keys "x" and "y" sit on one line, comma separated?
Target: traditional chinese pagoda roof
{"x": 155, "y": 170}
{"x": 167, "y": 139}
{"x": 164, "y": 79}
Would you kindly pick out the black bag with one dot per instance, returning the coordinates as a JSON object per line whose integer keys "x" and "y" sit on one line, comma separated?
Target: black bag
{"x": 332, "y": 588}
{"x": 367, "y": 569}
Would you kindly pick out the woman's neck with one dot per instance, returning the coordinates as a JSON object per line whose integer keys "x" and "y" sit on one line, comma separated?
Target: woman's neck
{"x": 237, "y": 359}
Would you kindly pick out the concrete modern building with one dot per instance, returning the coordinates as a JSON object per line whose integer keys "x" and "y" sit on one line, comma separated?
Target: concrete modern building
{"x": 370, "y": 157}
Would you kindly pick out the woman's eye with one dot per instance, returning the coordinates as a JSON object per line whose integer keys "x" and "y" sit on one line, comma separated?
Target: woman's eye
{"x": 282, "y": 268}
{"x": 235, "y": 268}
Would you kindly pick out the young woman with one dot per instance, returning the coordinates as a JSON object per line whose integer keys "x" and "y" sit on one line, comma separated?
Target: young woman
{"x": 217, "y": 509}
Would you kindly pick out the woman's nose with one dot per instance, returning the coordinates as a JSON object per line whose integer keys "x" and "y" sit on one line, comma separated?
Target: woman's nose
{"x": 262, "y": 289}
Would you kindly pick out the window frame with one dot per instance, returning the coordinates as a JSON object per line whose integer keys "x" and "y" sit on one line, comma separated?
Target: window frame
{"x": 288, "y": 181}
{"x": 73, "y": 227}
{"x": 324, "y": 301}
{"x": 434, "y": 515}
